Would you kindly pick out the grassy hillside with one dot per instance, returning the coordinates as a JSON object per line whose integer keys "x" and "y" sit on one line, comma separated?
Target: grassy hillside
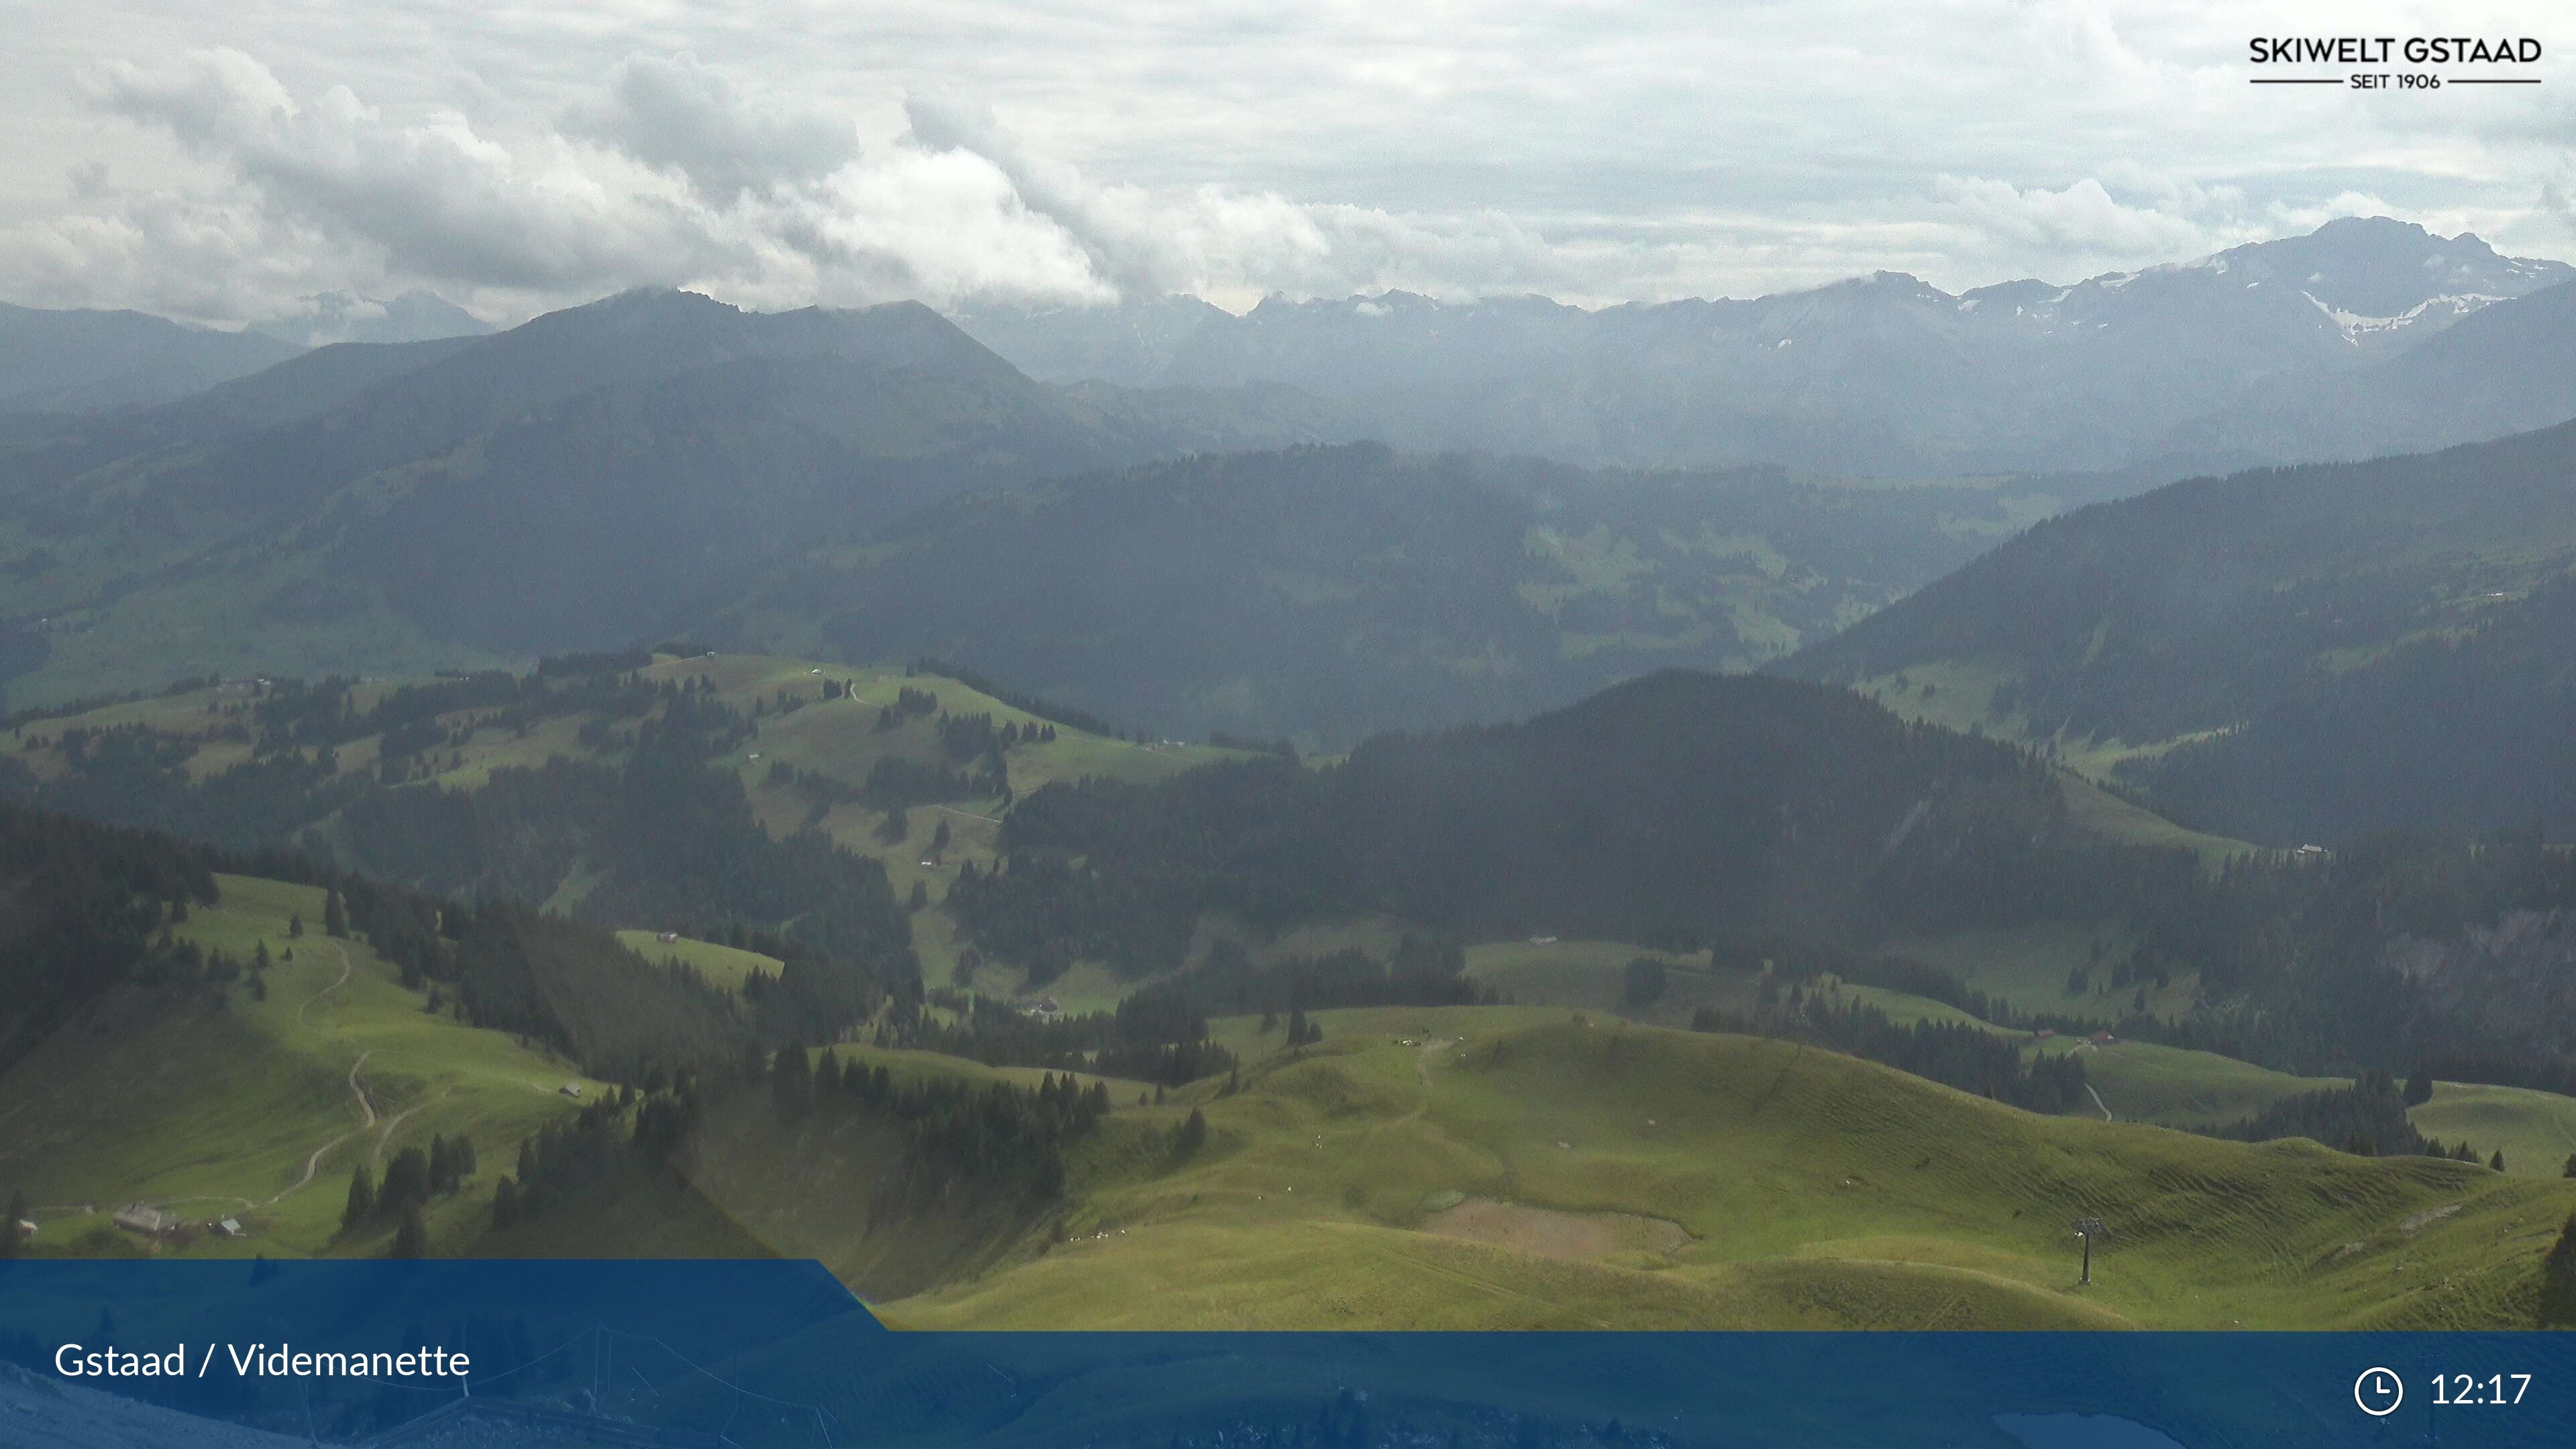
{"x": 2131, "y": 1081}
{"x": 802, "y": 760}
{"x": 2139, "y": 1081}
{"x": 2536, "y": 1131}
{"x": 1500, "y": 1167}
{"x": 726, "y": 966}
{"x": 262, "y": 1109}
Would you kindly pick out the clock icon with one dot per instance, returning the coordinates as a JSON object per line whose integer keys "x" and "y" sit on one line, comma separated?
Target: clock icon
{"x": 2378, "y": 1391}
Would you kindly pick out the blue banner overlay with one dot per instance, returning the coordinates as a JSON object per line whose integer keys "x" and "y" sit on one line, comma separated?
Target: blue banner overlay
{"x": 757, "y": 1354}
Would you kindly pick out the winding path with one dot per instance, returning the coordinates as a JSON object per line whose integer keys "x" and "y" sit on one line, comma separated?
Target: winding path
{"x": 346, "y": 966}
{"x": 393, "y": 1124}
{"x": 357, "y": 1089}
{"x": 313, "y": 1164}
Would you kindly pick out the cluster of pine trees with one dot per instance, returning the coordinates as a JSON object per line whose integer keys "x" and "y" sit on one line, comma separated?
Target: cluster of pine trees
{"x": 1954, "y": 1054}
{"x": 1045, "y": 709}
{"x": 660, "y": 833}
{"x": 413, "y": 1177}
{"x": 1420, "y": 972}
{"x": 90, "y": 908}
{"x": 566, "y": 1161}
{"x": 962, "y": 1143}
{"x": 2367, "y": 1119}
{"x": 1157, "y": 1034}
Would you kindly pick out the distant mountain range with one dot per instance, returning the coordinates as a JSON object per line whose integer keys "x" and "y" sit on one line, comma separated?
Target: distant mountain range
{"x": 1887, "y": 375}
{"x": 875, "y": 485}
{"x": 81, "y": 361}
{"x": 344, "y": 317}
{"x": 2364, "y": 336}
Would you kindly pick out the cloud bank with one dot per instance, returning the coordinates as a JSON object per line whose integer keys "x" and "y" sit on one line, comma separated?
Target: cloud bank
{"x": 1466, "y": 152}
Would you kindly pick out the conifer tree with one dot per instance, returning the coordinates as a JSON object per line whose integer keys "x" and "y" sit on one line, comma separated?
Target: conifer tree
{"x": 362, "y": 1200}
{"x": 2558, "y": 1279}
{"x": 791, "y": 1083}
{"x": 411, "y": 1240}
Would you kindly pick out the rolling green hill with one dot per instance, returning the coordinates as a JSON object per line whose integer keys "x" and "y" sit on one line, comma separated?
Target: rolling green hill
{"x": 1416, "y": 1166}
{"x": 578, "y": 788}
{"x": 2358, "y": 628}
{"x": 1496, "y": 1167}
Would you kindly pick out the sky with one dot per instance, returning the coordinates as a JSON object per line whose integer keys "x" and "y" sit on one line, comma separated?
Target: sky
{"x": 225, "y": 164}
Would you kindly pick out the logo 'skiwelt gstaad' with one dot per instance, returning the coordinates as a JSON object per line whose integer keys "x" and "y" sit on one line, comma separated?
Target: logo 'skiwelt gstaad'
{"x": 2397, "y": 62}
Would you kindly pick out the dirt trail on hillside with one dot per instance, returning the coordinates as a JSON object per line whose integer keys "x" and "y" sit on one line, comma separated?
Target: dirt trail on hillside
{"x": 313, "y": 1164}
{"x": 1422, "y": 1071}
{"x": 346, "y": 967}
{"x": 393, "y": 1124}
{"x": 359, "y": 1090}
{"x": 357, "y": 1087}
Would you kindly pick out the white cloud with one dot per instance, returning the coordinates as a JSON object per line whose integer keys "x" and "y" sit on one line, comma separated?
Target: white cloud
{"x": 523, "y": 157}
{"x": 2081, "y": 224}
{"x": 674, "y": 113}
{"x": 434, "y": 197}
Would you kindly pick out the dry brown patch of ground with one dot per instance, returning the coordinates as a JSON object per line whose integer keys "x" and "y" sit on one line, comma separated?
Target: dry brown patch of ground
{"x": 1550, "y": 1233}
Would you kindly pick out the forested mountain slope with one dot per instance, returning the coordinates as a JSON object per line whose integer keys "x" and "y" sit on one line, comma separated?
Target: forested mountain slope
{"x": 1329, "y": 593}
{"x": 576, "y": 482}
{"x": 2315, "y": 605}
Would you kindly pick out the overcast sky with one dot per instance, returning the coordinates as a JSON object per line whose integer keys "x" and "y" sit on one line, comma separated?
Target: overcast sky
{"x": 221, "y": 162}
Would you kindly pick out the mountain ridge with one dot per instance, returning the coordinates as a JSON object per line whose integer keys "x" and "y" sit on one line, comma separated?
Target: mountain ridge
{"x": 2209, "y": 617}
{"x": 1879, "y": 374}
{"x": 388, "y": 508}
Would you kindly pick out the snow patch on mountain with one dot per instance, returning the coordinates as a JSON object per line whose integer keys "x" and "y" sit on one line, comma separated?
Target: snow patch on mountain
{"x": 2446, "y": 308}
